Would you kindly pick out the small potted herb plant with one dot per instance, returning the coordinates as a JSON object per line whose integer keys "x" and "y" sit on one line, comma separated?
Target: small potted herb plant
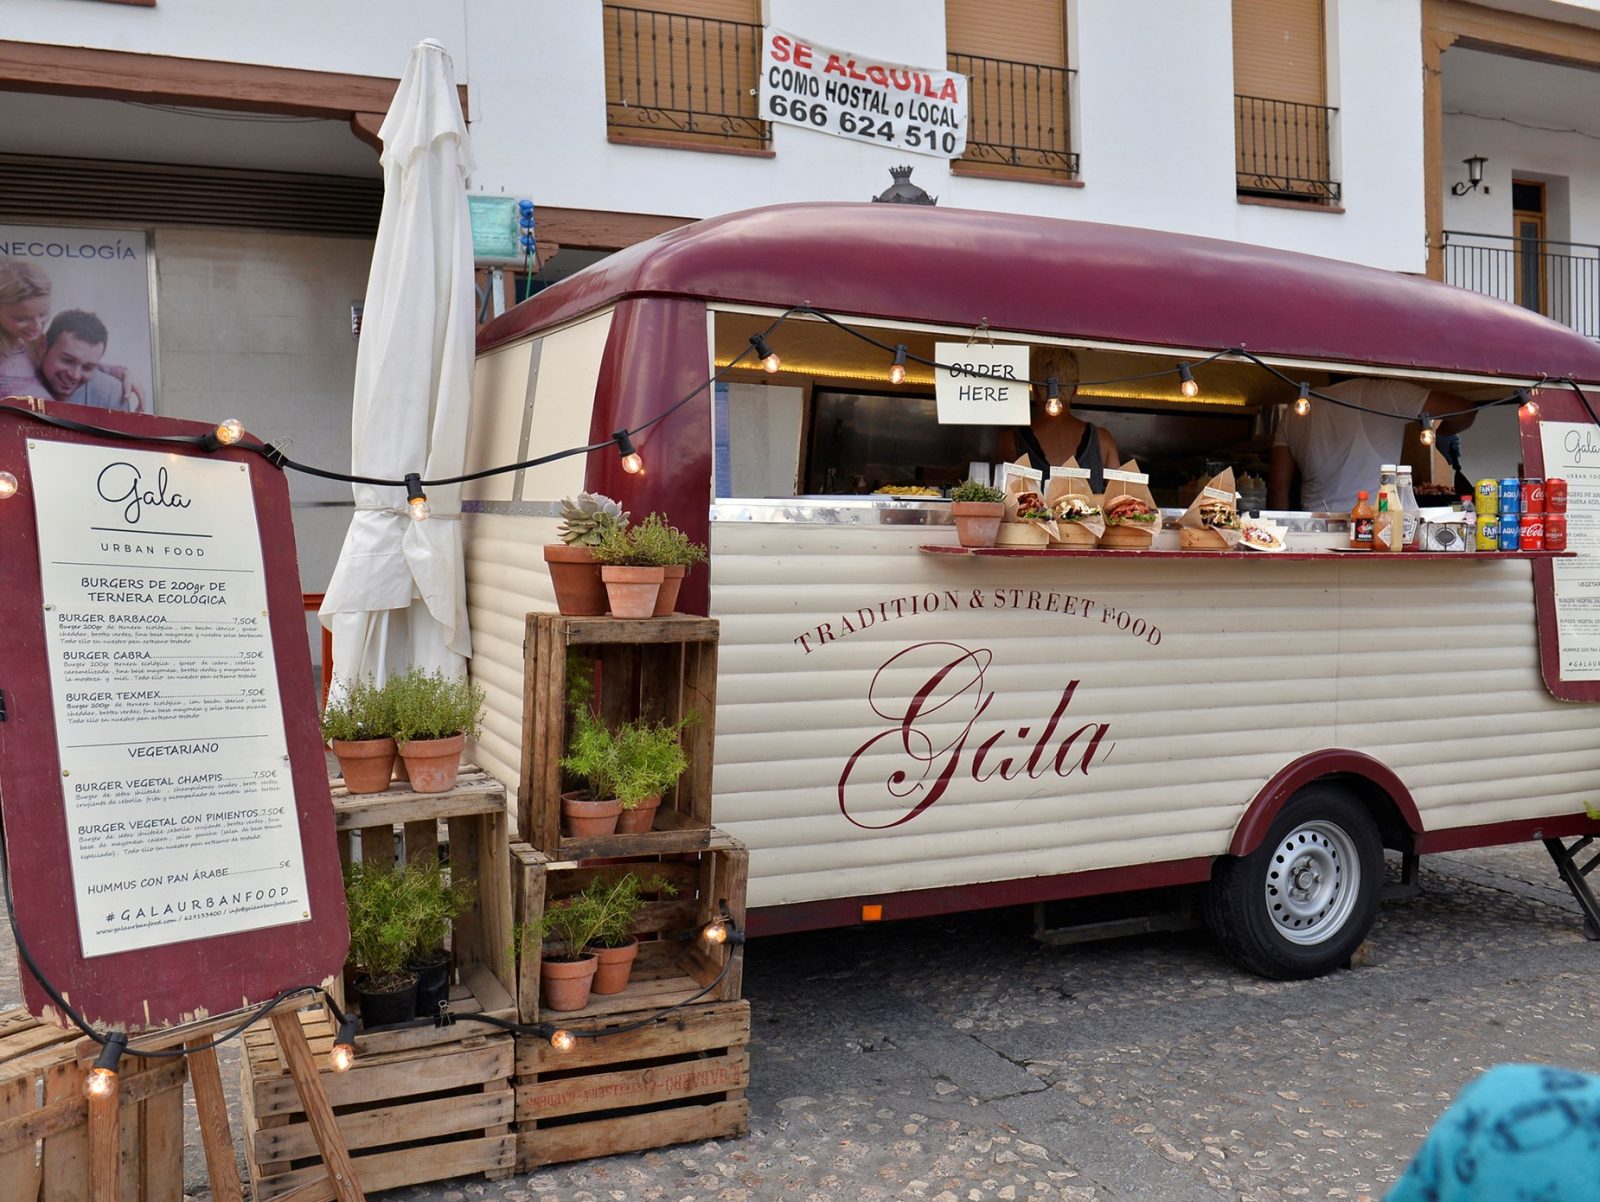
{"x": 434, "y": 715}
{"x": 440, "y": 899}
{"x": 671, "y": 549}
{"x": 567, "y": 966}
{"x": 574, "y": 574}
{"x": 358, "y": 726}
{"x": 632, "y": 578}
{"x": 618, "y": 901}
{"x": 385, "y": 918}
{"x": 624, "y": 772}
{"x": 977, "y": 509}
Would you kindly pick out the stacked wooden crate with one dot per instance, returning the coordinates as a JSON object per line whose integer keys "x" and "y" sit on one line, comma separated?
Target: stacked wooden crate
{"x": 632, "y": 1080}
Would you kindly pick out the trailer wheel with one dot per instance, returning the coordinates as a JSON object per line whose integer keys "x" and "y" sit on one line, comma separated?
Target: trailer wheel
{"x": 1303, "y": 901}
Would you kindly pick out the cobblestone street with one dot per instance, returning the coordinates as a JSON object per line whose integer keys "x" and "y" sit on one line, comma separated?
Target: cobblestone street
{"x": 956, "y": 1059}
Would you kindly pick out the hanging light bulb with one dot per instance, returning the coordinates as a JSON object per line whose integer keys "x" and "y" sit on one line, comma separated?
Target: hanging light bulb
{"x": 230, "y": 431}
{"x": 1186, "y": 384}
{"x": 1427, "y": 430}
{"x": 101, "y": 1081}
{"x": 897, "y": 369}
{"x": 343, "y": 1055}
{"x": 1052, "y": 403}
{"x": 1302, "y": 404}
{"x": 8, "y": 485}
{"x": 715, "y": 931}
{"x": 769, "y": 358}
{"x": 1530, "y": 403}
{"x": 632, "y": 462}
{"x": 562, "y": 1040}
{"x": 416, "y": 499}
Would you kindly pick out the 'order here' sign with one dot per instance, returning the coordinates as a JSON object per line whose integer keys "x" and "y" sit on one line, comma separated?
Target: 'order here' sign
{"x": 980, "y": 385}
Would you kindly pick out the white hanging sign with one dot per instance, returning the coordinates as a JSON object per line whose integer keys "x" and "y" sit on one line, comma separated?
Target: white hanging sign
{"x": 980, "y": 385}
{"x": 845, "y": 94}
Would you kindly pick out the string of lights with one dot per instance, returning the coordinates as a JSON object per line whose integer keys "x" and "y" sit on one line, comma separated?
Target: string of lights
{"x": 231, "y": 433}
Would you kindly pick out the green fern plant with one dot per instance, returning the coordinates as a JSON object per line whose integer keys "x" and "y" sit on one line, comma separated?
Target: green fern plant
{"x": 637, "y": 760}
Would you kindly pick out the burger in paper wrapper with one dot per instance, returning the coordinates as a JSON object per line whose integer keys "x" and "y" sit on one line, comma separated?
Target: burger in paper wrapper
{"x": 1028, "y": 521}
{"x": 1211, "y": 523}
{"x": 1079, "y": 519}
{"x": 1132, "y": 518}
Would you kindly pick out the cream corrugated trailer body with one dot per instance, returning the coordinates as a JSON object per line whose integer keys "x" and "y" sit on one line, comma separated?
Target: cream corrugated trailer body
{"x": 929, "y": 732}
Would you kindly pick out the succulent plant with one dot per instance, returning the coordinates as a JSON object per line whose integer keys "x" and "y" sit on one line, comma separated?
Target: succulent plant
{"x": 586, "y": 521}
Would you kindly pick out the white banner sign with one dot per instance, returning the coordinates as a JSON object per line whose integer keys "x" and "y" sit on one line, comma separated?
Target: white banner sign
{"x": 1572, "y": 453}
{"x": 837, "y": 92}
{"x": 180, "y": 809}
{"x": 980, "y": 385}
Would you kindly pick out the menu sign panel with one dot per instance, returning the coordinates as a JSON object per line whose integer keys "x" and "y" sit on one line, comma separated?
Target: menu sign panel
{"x": 177, "y": 791}
{"x": 1572, "y": 453}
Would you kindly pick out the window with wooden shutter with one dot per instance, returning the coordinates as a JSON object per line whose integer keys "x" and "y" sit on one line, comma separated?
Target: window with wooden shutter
{"x": 1014, "y": 55}
{"x": 684, "y": 73}
{"x": 1282, "y": 122}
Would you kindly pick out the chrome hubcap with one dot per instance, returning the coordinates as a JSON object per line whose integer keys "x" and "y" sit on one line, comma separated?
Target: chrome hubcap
{"x": 1312, "y": 882}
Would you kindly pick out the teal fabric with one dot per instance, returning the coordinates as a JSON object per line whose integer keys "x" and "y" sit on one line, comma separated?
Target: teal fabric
{"x": 1519, "y": 1133}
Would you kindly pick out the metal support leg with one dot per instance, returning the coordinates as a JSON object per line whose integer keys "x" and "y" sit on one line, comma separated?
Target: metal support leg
{"x": 1574, "y": 874}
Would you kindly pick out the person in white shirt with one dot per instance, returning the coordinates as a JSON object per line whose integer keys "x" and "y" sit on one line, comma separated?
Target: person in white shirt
{"x": 1338, "y": 450}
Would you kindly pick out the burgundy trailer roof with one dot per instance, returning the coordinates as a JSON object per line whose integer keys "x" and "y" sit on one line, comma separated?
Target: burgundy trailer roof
{"x": 1069, "y": 278}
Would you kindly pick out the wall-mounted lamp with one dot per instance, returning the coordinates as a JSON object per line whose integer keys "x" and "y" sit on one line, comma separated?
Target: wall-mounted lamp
{"x": 1474, "y": 176}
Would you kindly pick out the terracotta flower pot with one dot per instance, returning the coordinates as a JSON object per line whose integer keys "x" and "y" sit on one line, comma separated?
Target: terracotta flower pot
{"x": 632, "y": 592}
{"x": 615, "y": 966}
{"x": 433, "y": 764}
{"x": 564, "y": 984}
{"x": 575, "y": 576}
{"x": 977, "y": 522}
{"x": 586, "y": 818}
{"x": 639, "y": 819}
{"x": 671, "y": 582}
{"x": 366, "y": 764}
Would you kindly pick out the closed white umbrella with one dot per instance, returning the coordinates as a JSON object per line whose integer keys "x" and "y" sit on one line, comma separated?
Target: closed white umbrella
{"x": 398, "y": 593}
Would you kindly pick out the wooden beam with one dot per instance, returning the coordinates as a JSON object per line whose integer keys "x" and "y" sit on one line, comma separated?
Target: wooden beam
{"x": 202, "y": 83}
{"x": 366, "y": 126}
{"x": 1434, "y": 44}
{"x": 594, "y": 229}
{"x": 1497, "y": 31}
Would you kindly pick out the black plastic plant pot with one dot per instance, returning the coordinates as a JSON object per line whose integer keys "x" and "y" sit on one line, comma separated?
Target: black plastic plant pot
{"x": 386, "y": 1009}
{"x": 433, "y": 985}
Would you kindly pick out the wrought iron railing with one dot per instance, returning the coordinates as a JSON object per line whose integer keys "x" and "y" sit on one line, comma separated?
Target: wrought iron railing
{"x": 1282, "y": 149}
{"x": 1559, "y": 279}
{"x": 686, "y": 79}
{"x": 1018, "y": 115}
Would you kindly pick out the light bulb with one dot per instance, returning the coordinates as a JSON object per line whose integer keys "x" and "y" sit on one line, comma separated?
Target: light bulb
{"x": 230, "y": 431}
{"x": 342, "y": 1057}
{"x": 1302, "y": 404}
{"x": 419, "y": 508}
{"x": 632, "y": 464}
{"x": 8, "y": 485}
{"x": 563, "y": 1041}
{"x": 1053, "y": 406}
{"x": 715, "y": 931}
{"x": 1427, "y": 430}
{"x": 100, "y": 1082}
{"x": 769, "y": 357}
{"x": 897, "y": 369}
{"x": 631, "y": 461}
{"x": 1530, "y": 407}
{"x": 1187, "y": 386}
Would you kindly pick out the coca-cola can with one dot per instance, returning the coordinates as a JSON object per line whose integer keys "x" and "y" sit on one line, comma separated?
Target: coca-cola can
{"x": 1530, "y": 531}
{"x": 1532, "y": 495}
{"x": 1555, "y": 532}
{"x": 1555, "y": 495}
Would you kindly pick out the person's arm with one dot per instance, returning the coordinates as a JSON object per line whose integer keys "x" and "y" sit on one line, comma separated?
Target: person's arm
{"x": 1439, "y": 404}
{"x": 1280, "y": 477}
{"x": 1108, "y": 448}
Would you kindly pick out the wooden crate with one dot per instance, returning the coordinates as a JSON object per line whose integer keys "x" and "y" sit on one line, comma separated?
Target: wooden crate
{"x": 468, "y": 826}
{"x": 44, "y": 1133}
{"x": 670, "y": 969}
{"x": 421, "y": 1104}
{"x": 661, "y": 668}
{"x": 680, "y": 1080}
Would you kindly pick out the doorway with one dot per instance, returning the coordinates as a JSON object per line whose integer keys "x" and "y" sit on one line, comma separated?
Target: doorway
{"x": 1528, "y": 239}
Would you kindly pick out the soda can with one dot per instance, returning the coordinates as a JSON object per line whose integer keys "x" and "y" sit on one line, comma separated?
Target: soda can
{"x": 1488, "y": 536}
{"x": 1486, "y": 496}
{"x": 1555, "y": 495}
{"x": 1532, "y": 495}
{"x": 1510, "y": 532}
{"x": 1530, "y": 532}
{"x": 1510, "y": 495}
{"x": 1555, "y": 532}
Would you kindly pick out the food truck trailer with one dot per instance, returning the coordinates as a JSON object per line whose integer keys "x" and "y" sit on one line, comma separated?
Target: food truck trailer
{"x": 919, "y": 731}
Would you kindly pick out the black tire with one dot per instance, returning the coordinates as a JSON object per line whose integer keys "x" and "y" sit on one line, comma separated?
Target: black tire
{"x": 1293, "y": 928}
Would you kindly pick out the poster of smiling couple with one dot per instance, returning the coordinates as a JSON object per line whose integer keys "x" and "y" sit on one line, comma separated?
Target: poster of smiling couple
{"x": 76, "y": 316}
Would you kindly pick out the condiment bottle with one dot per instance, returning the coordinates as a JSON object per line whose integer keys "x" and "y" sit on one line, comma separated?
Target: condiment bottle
{"x": 1361, "y": 519}
{"x": 1411, "y": 511}
{"x": 1388, "y": 528}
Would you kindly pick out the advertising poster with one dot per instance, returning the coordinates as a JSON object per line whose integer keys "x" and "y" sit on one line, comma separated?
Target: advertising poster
{"x": 179, "y": 804}
{"x": 76, "y": 316}
{"x": 1572, "y": 453}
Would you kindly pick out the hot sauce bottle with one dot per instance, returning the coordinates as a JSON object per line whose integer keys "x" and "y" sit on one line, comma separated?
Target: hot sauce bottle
{"x": 1361, "y": 518}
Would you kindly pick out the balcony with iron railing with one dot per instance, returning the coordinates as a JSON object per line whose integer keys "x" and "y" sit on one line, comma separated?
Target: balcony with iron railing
{"x": 1559, "y": 279}
{"x": 682, "y": 80}
{"x": 1282, "y": 150}
{"x": 1018, "y": 117}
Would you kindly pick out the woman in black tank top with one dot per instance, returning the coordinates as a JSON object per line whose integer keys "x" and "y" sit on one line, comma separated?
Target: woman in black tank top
{"x": 1053, "y": 440}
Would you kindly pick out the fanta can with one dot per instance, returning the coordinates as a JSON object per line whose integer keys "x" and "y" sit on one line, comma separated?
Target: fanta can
{"x": 1488, "y": 537}
{"x": 1486, "y": 496}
